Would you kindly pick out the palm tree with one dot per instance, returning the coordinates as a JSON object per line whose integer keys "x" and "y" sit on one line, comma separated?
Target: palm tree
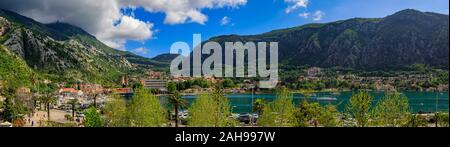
{"x": 177, "y": 102}
{"x": 48, "y": 99}
{"x": 33, "y": 80}
{"x": 73, "y": 103}
{"x": 35, "y": 99}
{"x": 94, "y": 95}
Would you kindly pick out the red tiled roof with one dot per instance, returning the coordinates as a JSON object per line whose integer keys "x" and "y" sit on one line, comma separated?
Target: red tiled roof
{"x": 72, "y": 90}
{"x": 122, "y": 90}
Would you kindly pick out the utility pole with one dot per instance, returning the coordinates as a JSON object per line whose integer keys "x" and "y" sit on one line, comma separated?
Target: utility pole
{"x": 436, "y": 113}
{"x": 252, "y": 107}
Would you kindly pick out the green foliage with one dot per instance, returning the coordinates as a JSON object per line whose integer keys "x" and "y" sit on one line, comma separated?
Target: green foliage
{"x": 329, "y": 116}
{"x": 442, "y": 119}
{"x": 227, "y": 83}
{"x": 12, "y": 110}
{"x": 14, "y": 71}
{"x": 307, "y": 113}
{"x": 258, "y": 106}
{"x": 418, "y": 67}
{"x": 145, "y": 110}
{"x": 172, "y": 87}
{"x": 280, "y": 112}
{"x": 309, "y": 85}
{"x": 392, "y": 111}
{"x": 211, "y": 110}
{"x": 200, "y": 82}
{"x": 358, "y": 108}
{"x": 178, "y": 103}
{"x": 57, "y": 124}
{"x": 116, "y": 112}
{"x": 316, "y": 114}
{"x": 442, "y": 77}
{"x": 73, "y": 103}
{"x": 93, "y": 118}
{"x": 68, "y": 117}
{"x": 416, "y": 120}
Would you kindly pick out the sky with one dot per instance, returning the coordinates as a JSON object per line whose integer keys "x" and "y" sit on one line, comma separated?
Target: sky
{"x": 149, "y": 27}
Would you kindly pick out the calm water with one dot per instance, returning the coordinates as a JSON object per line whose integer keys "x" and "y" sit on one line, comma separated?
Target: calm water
{"x": 418, "y": 101}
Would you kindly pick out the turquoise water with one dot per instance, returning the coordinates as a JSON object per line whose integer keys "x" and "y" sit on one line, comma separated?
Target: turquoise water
{"x": 418, "y": 101}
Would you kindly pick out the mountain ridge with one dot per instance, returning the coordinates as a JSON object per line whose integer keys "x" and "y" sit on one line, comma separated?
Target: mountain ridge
{"x": 66, "y": 51}
{"x": 393, "y": 42}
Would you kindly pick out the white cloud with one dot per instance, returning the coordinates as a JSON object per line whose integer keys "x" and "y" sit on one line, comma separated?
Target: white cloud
{"x": 127, "y": 28}
{"x": 295, "y": 4}
{"x": 141, "y": 50}
{"x": 225, "y": 21}
{"x": 318, "y": 15}
{"x": 182, "y": 11}
{"x": 103, "y": 18}
{"x": 304, "y": 15}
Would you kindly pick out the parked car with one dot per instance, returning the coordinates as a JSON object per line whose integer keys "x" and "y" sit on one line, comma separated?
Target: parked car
{"x": 247, "y": 118}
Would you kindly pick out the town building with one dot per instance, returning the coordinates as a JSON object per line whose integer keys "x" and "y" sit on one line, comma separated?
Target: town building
{"x": 155, "y": 84}
{"x": 89, "y": 88}
{"x": 23, "y": 90}
{"x": 66, "y": 94}
{"x": 156, "y": 75}
{"x": 313, "y": 71}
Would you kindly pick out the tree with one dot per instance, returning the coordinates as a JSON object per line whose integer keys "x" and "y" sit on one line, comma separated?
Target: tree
{"x": 34, "y": 80}
{"x": 177, "y": 102}
{"x": 94, "y": 95}
{"x": 68, "y": 117}
{"x": 116, "y": 112}
{"x": 328, "y": 116}
{"x": 47, "y": 98}
{"x": 211, "y": 110}
{"x": 280, "y": 112}
{"x": 12, "y": 110}
{"x": 417, "y": 120}
{"x": 258, "y": 106}
{"x": 93, "y": 118}
{"x": 145, "y": 110}
{"x": 318, "y": 115}
{"x": 227, "y": 83}
{"x": 358, "y": 107}
{"x": 73, "y": 103}
{"x": 442, "y": 119}
{"x": 172, "y": 87}
{"x": 392, "y": 110}
{"x": 307, "y": 113}
{"x": 35, "y": 100}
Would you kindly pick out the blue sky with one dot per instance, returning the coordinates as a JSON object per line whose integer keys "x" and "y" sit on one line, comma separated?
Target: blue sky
{"x": 259, "y": 16}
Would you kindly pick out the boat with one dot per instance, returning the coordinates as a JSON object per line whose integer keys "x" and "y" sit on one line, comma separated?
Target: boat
{"x": 336, "y": 93}
{"x": 326, "y": 99}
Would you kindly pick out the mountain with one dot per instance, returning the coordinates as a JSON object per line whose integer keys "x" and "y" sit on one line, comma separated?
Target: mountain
{"x": 13, "y": 69}
{"x": 167, "y": 58}
{"x": 66, "y": 52}
{"x": 396, "y": 41}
